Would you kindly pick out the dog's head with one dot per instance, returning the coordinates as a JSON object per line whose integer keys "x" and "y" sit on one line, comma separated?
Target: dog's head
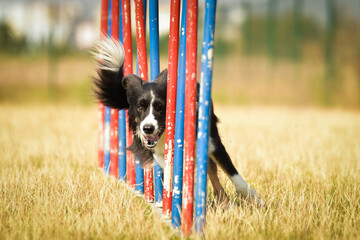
{"x": 145, "y": 101}
{"x": 147, "y": 107}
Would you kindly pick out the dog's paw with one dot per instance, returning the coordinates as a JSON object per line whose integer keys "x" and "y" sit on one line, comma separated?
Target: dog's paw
{"x": 254, "y": 199}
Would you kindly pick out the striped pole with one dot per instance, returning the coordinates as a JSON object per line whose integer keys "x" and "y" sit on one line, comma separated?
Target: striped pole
{"x": 122, "y": 121}
{"x": 101, "y": 112}
{"x": 139, "y": 177}
{"x": 190, "y": 115}
{"x": 138, "y": 168}
{"x": 154, "y": 71}
{"x": 107, "y": 114}
{"x": 114, "y": 113}
{"x": 142, "y": 58}
{"x": 179, "y": 126}
{"x": 170, "y": 105}
{"x": 128, "y": 69}
{"x": 207, "y": 61}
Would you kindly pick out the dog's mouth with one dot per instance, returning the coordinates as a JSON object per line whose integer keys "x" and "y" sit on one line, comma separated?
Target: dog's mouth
{"x": 151, "y": 140}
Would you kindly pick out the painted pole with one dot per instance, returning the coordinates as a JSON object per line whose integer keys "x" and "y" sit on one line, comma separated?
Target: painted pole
{"x": 138, "y": 168}
{"x": 139, "y": 177}
{"x": 203, "y": 132}
{"x": 122, "y": 146}
{"x": 141, "y": 39}
{"x": 101, "y": 112}
{"x": 154, "y": 72}
{"x": 114, "y": 113}
{"x": 190, "y": 115}
{"x": 107, "y": 114}
{"x": 171, "y": 105}
{"x": 128, "y": 69}
{"x": 179, "y": 127}
{"x": 142, "y": 59}
{"x": 122, "y": 121}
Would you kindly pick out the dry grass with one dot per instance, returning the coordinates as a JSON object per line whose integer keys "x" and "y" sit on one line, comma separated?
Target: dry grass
{"x": 303, "y": 162}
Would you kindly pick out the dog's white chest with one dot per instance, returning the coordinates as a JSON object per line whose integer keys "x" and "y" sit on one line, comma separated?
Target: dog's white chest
{"x": 159, "y": 151}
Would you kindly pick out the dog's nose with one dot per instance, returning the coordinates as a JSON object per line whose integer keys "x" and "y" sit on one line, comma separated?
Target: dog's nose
{"x": 148, "y": 128}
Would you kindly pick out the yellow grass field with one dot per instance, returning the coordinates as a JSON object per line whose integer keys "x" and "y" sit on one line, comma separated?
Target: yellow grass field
{"x": 304, "y": 162}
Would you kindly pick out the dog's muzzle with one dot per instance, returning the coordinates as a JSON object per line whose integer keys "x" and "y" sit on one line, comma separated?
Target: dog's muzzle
{"x": 151, "y": 140}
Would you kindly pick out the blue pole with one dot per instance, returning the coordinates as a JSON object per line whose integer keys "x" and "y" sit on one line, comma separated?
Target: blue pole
{"x": 179, "y": 126}
{"x": 122, "y": 124}
{"x": 204, "y": 115}
{"x": 139, "y": 176}
{"x": 139, "y": 171}
{"x": 107, "y": 116}
{"x": 154, "y": 72}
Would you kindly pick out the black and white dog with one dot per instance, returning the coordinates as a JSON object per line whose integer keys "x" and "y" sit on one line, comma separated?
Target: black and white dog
{"x": 146, "y": 102}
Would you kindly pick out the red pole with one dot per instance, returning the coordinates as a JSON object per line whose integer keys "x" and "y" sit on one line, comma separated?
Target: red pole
{"x": 115, "y": 19}
{"x": 114, "y": 113}
{"x": 190, "y": 116}
{"x": 128, "y": 69}
{"x": 143, "y": 72}
{"x": 171, "y": 105}
{"x": 101, "y": 112}
{"x": 141, "y": 39}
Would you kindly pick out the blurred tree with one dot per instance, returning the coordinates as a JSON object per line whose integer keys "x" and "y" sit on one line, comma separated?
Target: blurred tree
{"x": 246, "y": 26}
{"x": 271, "y": 28}
{"x": 309, "y": 31}
{"x": 53, "y": 53}
{"x": 9, "y": 42}
{"x": 298, "y": 7}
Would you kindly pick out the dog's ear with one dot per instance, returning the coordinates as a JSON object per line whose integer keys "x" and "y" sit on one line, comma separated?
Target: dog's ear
{"x": 133, "y": 85}
{"x": 108, "y": 85}
{"x": 162, "y": 77}
{"x": 131, "y": 81}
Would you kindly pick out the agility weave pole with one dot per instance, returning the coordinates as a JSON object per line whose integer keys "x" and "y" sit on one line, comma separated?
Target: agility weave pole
{"x": 178, "y": 83}
{"x": 128, "y": 69}
{"x": 143, "y": 72}
{"x": 179, "y": 127}
{"x": 154, "y": 72}
{"x": 107, "y": 117}
{"x": 114, "y": 113}
{"x": 203, "y": 132}
{"x": 139, "y": 171}
{"x": 122, "y": 115}
{"x": 101, "y": 111}
{"x": 190, "y": 115}
{"x": 170, "y": 105}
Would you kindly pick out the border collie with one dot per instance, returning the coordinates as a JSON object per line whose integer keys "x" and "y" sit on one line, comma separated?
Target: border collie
{"x": 146, "y": 102}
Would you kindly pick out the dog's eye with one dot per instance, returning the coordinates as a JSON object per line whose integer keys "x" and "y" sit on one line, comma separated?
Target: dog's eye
{"x": 158, "y": 107}
{"x": 139, "y": 108}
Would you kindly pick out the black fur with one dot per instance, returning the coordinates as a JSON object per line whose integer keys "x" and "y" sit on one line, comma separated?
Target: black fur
{"x": 130, "y": 91}
{"x": 142, "y": 98}
{"x": 109, "y": 89}
{"x": 138, "y": 93}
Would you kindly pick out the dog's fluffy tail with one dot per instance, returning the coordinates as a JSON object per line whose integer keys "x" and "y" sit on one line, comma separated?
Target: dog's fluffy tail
{"x": 110, "y": 56}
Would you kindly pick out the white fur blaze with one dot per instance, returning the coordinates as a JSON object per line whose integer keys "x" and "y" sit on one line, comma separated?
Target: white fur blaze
{"x": 110, "y": 54}
{"x": 150, "y": 119}
{"x": 159, "y": 151}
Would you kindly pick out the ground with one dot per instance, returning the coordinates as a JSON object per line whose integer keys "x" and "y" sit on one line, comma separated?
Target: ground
{"x": 304, "y": 162}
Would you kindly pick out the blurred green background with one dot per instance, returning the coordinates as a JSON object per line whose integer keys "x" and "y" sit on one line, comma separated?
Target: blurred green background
{"x": 267, "y": 52}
